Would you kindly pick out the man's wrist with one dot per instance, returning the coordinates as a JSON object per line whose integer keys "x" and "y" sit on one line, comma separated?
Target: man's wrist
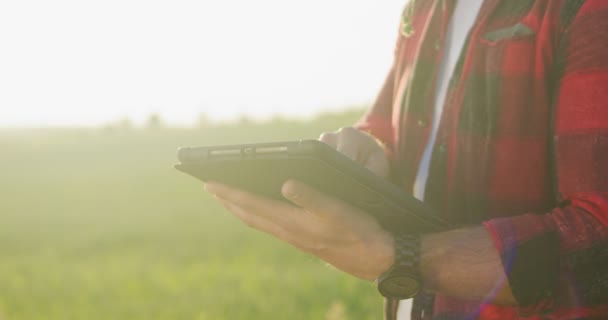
{"x": 403, "y": 279}
{"x": 386, "y": 255}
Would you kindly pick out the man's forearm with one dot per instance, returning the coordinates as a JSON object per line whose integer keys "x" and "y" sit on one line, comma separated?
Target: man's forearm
{"x": 464, "y": 263}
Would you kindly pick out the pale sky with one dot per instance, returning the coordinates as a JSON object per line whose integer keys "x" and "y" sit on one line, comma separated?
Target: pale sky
{"x": 92, "y": 62}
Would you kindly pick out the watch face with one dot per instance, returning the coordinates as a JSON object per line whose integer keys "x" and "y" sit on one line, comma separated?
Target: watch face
{"x": 401, "y": 286}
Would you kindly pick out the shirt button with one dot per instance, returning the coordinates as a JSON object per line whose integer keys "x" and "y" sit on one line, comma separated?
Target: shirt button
{"x": 422, "y": 123}
{"x": 437, "y": 44}
{"x": 442, "y": 148}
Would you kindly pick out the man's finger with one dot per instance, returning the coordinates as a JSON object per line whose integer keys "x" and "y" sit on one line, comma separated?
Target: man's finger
{"x": 349, "y": 149}
{"x": 315, "y": 201}
{"x": 256, "y": 221}
{"x": 237, "y": 196}
{"x": 348, "y": 143}
{"x": 277, "y": 211}
{"x": 330, "y": 138}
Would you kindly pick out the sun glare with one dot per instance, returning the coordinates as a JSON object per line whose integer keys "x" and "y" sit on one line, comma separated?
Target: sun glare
{"x": 89, "y": 63}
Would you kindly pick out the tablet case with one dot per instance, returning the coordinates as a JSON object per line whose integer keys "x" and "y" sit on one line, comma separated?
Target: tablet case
{"x": 263, "y": 168}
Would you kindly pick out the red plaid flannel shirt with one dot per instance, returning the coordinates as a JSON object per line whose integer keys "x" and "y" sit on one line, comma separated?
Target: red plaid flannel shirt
{"x": 522, "y": 146}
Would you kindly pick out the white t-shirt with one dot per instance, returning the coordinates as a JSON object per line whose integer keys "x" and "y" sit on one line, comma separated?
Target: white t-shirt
{"x": 459, "y": 26}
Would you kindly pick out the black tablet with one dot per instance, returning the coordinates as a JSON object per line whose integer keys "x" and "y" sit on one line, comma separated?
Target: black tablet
{"x": 263, "y": 168}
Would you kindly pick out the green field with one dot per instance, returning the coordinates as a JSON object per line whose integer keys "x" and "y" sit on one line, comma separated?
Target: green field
{"x": 96, "y": 224}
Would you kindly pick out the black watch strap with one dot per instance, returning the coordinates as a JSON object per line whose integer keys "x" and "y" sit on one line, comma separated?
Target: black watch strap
{"x": 402, "y": 280}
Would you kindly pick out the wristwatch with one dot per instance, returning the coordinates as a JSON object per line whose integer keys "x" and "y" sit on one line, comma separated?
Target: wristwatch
{"x": 402, "y": 280}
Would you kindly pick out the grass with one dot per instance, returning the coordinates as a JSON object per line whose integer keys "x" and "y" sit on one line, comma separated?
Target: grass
{"x": 96, "y": 224}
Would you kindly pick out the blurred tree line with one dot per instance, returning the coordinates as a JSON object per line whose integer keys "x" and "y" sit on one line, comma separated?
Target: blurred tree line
{"x": 155, "y": 121}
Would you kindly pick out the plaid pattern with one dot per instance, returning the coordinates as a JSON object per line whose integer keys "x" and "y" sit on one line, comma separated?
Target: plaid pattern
{"x": 522, "y": 147}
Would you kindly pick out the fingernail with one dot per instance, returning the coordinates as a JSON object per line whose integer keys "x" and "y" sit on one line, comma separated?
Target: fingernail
{"x": 290, "y": 195}
{"x": 287, "y": 189}
{"x": 209, "y": 187}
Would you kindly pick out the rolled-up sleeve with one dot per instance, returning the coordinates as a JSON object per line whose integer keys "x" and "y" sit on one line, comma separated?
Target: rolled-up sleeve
{"x": 560, "y": 258}
{"x": 378, "y": 120}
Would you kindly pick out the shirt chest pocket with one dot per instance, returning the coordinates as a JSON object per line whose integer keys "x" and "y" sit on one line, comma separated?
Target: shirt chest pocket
{"x": 509, "y": 48}
{"x": 503, "y": 95}
{"x": 518, "y": 31}
{"x": 516, "y": 95}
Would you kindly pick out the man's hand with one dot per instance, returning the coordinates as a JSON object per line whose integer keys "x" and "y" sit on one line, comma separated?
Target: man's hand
{"x": 461, "y": 263}
{"x": 360, "y": 147}
{"x": 326, "y": 227}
